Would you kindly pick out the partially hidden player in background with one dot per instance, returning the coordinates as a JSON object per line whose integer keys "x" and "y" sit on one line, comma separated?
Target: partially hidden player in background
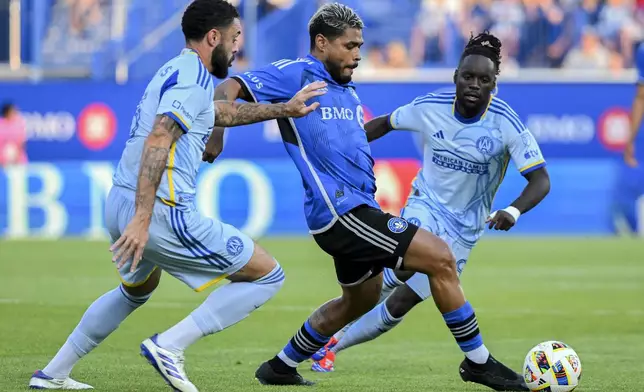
{"x": 151, "y": 215}
{"x": 470, "y": 136}
{"x": 637, "y": 109}
{"x": 629, "y": 187}
{"x": 330, "y": 149}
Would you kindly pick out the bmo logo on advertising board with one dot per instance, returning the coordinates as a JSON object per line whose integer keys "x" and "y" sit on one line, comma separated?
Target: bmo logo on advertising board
{"x": 95, "y": 126}
{"x": 613, "y": 128}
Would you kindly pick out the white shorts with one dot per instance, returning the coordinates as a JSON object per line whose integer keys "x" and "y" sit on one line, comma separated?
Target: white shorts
{"x": 418, "y": 212}
{"x": 197, "y": 250}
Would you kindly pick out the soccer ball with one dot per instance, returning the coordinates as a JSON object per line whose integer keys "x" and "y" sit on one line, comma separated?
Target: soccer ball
{"x": 552, "y": 367}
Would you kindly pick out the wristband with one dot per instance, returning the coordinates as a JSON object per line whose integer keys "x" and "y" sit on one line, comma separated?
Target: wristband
{"x": 514, "y": 212}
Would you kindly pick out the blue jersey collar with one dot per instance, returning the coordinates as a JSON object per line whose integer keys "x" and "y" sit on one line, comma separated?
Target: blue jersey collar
{"x": 320, "y": 66}
{"x": 470, "y": 120}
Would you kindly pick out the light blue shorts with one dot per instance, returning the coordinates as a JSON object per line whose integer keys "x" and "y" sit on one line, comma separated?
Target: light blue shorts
{"x": 418, "y": 212}
{"x": 197, "y": 250}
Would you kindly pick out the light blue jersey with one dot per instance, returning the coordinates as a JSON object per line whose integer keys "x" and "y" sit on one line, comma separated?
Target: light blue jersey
{"x": 195, "y": 249}
{"x": 465, "y": 159}
{"x": 463, "y": 165}
{"x": 182, "y": 89}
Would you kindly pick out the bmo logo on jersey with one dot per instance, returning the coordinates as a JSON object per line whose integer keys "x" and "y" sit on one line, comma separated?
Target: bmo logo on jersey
{"x": 335, "y": 113}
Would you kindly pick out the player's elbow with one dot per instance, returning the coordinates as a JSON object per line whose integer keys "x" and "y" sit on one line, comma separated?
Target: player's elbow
{"x": 159, "y": 138}
{"x": 229, "y": 90}
{"x": 542, "y": 178}
{"x": 546, "y": 186}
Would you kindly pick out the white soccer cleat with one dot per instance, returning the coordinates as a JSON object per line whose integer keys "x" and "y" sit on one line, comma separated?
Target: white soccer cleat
{"x": 40, "y": 380}
{"x": 168, "y": 364}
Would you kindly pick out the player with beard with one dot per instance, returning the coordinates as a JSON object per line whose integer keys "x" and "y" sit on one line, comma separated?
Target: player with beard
{"x": 151, "y": 213}
{"x": 331, "y": 151}
{"x": 470, "y": 136}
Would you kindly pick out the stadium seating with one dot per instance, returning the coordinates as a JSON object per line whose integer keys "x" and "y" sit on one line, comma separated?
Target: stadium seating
{"x": 399, "y": 33}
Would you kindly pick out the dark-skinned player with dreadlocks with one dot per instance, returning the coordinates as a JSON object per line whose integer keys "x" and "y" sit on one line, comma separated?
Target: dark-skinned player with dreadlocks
{"x": 470, "y": 137}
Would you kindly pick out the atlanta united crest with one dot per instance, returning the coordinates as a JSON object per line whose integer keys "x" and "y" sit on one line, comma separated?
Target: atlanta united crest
{"x": 414, "y": 221}
{"x": 485, "y": 145}
{"x": 234, "y": 246}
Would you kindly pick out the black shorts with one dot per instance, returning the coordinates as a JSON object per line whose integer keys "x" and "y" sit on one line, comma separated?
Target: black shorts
{"x": 364, "y": 241}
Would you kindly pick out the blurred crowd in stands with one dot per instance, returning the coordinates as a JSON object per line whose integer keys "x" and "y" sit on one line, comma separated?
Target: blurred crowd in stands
{"x": 573, "y": 34}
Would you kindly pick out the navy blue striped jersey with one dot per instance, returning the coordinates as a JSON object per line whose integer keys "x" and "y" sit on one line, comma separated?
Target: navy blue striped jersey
{"x": 329, "y": 146}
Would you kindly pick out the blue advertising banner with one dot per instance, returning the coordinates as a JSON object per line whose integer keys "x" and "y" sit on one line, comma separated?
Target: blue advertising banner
{"x": 91, "y": 121}
{"x": 265, "y": 197}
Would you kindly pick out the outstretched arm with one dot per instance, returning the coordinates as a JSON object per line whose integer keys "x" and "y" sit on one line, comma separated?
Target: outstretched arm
{"x": 378, "y": 127}
{"x": 231, "y": 114}
{"x": 408, "y": 117}
{"x": 153, "y": 163}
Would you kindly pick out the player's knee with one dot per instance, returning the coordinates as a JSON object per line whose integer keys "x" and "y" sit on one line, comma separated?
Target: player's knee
{"x": 431, "y": 255}
{"x": 444, "y": 263}
{"x": 146, "y": 288}
{"x": 275, "y": 278}
{"x": 260, "y": 265}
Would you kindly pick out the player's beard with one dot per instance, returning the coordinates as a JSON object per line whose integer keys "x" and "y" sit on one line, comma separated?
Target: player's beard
{"x": 220, "y": 62}
{"x": 335, "y": 70}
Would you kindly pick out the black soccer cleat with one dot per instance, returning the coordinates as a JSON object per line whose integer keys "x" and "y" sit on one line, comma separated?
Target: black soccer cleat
{"x": 266, "y": 375}
{"x": 493, "y": 374}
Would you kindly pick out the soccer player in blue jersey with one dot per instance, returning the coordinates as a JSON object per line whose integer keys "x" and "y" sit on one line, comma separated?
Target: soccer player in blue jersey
{"x": 151, "y": 215}
{"x": 331, "y": 151}
{"x": 637, "y": 110}
{"x": 470, "y": 136}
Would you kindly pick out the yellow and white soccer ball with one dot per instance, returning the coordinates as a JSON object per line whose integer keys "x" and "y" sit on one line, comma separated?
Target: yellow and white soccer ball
{"x": 552, "y": 366}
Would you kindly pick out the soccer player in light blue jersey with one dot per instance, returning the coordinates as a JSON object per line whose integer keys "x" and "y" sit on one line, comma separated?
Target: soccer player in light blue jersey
{"x": 331, "y": 151}
{"x": 470, "y": 137}
{"x": 151, "y": 215}
{"x": 637, "y": 110}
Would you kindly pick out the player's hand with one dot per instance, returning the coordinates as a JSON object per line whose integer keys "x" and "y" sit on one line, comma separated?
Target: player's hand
{"x": 501, "y": 220}
{"x": 629, "y": 155}
{"x": 131, "y": 244}
{"x": 297, "y": 107}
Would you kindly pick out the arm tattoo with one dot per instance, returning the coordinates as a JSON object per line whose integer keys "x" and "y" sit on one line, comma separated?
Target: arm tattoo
{"x": 153, "y": 163}
{"x": 231, "y": 114}
{"x": 215, "y": 144}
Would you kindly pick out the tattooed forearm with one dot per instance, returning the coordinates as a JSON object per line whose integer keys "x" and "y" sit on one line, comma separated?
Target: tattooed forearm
{"x": 228, "y": 90}
{"x": 215, "y": 144}
{"x": 231, "y": 114}
{"x": 153, "y": 163}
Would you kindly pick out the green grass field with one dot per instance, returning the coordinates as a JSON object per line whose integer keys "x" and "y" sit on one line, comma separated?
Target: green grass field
{"x": 588, "y": 293}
